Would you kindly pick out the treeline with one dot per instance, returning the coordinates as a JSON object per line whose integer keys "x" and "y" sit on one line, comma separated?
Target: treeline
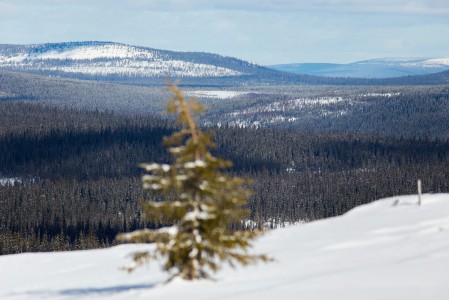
{"x": 76, "y": 181}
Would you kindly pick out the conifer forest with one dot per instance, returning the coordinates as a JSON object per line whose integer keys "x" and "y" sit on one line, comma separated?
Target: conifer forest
{"x": 69, "y": 176}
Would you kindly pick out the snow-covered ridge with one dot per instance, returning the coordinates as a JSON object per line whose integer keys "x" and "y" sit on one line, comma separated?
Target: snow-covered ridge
{"x": 438, "y": 61}
{"x": 95, "y": 52}
{"x": 389, "y": 249}
{"x": 105, "y": 59}
{"x": 372, "y": 68}
{"x": 409, "y": 62}
{"x": 78, "y": 52}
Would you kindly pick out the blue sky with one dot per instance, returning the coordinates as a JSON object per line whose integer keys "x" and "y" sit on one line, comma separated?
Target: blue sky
{"x": 261, "y": 31}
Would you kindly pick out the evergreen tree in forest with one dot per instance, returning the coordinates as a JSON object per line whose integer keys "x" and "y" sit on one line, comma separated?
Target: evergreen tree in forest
{"x": 201, "y": 201}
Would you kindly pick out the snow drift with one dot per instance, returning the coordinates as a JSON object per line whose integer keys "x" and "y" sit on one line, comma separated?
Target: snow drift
{"x": 389, "y": 249}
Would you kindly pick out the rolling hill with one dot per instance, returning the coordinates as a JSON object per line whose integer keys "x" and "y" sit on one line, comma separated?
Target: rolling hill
{"x": 114, "y": 59}
{"x": 116, "y": 62}
{"x": 374, "y": 68}
{"x": 108, "y": 61}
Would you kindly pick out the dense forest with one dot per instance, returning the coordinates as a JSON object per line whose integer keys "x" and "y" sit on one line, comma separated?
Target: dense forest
{"x": 379, "y": 110}
{"x": 69, "y": 177}
{"x": 392, "y": 111}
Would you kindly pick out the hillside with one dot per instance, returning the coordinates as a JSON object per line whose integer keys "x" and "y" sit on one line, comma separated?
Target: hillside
{"x": 107, "y": 58}
{"x": 389, "y": 249}
{"x": 117, "y": 62}
{"x": 125, "y": 63}
{"x": 373, "y": 68}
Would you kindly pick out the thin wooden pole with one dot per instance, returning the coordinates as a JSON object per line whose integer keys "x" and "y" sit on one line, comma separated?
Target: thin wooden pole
{"x": 419, "y": 191}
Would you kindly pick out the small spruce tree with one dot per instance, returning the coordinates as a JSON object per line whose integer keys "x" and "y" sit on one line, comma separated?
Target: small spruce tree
{"x": 201, "y": 202}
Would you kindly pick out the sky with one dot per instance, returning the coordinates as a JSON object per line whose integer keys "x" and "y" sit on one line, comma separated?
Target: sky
{"x": 265, "y": 32}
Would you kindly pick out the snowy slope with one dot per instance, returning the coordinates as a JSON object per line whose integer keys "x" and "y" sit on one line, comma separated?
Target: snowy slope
{"x": 373, "y": 68}
{"x": 389, "y": 249}
{"x": 114, "y": 59}
{"x": 409, "y": 62}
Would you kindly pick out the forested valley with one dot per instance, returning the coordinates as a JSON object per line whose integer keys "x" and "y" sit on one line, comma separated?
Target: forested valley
{"x": 69, "y": 178}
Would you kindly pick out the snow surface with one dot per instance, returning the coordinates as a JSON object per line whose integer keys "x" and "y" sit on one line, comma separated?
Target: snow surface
{"x": 95, "y": 52}
{"x": 292, "y": 105}
{"x": 438, "y": 61}
{"x": 389, "y": 249}
{"x": 388, "y": 95}
{"x": 215, "y": 94}
{"x": 9, "y": 181}
{"x": 109, "y": 59}
{"x": 275, "y": 112}
{"x": 410, "y": 62}
{"x": 143, "y": 68}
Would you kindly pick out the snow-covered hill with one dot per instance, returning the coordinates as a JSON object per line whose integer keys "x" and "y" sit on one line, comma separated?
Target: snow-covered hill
{"x": 373, "y": 68}
{"x": 114, "y": 59}
{"x": 409, "y": 62}
{"x": 389, "y": 249}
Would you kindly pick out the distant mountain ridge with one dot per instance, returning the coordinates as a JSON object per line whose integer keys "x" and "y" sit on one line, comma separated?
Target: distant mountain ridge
{"x": 116, "y": 59}
{"x": 373, "y": 68}
{"x": 121, "y": 63}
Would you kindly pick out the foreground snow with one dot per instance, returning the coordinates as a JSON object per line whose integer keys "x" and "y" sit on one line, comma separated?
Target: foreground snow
{"x": 390, "y": 249}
